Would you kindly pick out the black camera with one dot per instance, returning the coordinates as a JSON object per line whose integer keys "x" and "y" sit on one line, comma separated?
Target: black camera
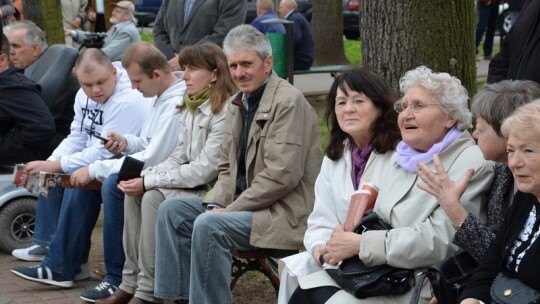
{"x": 94, "y": 40}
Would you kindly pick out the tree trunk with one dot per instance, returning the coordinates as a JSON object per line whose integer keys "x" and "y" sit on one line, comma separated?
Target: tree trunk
{"x": 47, "y": 14}
{"x": 327, "y": 28}
{"x": 400, "y": 35}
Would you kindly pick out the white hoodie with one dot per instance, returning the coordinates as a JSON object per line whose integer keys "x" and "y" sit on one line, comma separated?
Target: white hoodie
{"x": 124, "y": 112}
{"x": 158, "y": 137}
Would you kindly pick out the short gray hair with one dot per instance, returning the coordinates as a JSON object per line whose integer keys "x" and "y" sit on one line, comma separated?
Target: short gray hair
{"x": 265, "y": 5}
{"x": 524, "y": 120}
{"x": 496, "y": 101}
{"x": 34, "y": 35}
{"x": 445, "y": 89}
{"x": 244, "y": 37}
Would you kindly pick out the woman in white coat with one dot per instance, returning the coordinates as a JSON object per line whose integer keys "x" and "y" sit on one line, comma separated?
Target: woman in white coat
{"x": 363, "y": 134}
{"x": 433, "y": 118}
{"x": 187, "y": 172}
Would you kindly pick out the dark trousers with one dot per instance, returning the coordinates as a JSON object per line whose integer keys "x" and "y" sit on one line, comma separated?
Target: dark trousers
{"x": 313, "y": 295}
{"x": 100, "y": 23}
{"x": 487, "y": 23}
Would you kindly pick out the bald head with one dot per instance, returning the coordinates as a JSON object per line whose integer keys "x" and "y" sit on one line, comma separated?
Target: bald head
{"x": 89, "y": 58}
{"x": 285, "y": 6}
{"x": 265, "y": 5}
{"x": 96, "y": 75}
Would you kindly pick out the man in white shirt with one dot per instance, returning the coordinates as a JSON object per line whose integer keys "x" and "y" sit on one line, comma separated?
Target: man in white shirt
{"x": 105, "y": 103}
{"x": 149, "y": 73}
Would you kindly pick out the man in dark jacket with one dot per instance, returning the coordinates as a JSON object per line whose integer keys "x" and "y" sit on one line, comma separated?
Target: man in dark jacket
{"x": 28, "y": 44}
{"x": 180, "y": 23}
{"x": 26, "y": 124}
{"x": 519, "y": 58}
{"x": 304, "y": 48}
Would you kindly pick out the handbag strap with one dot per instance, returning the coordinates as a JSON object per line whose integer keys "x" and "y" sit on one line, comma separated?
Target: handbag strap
{"x": 415, "y": 297}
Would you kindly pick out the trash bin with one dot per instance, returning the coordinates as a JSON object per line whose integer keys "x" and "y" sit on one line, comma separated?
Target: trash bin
{"x": 277, "y": 41}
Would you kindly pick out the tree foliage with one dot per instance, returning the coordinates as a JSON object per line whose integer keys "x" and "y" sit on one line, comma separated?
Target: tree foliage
{"x": 400, "y": 35}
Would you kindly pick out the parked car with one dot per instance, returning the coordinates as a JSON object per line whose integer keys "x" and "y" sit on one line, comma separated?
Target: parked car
{"x": 17, "y": 213}
{"x": 146, "y": 11}
{"x": 351, "y": 19}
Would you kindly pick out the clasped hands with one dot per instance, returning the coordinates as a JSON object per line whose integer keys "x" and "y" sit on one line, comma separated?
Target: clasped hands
{"x": 341, "y": 245}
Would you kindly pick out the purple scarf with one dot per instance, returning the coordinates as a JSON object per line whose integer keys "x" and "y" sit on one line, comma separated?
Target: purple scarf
{"x": 408, "y": 157}
{"x": 359, "y": 160}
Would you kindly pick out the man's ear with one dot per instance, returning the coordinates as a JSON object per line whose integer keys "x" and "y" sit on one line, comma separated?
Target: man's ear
{"x": 36, "y": 50}
{"x": 268, "y": 63}
{"x": 4, "y": 62}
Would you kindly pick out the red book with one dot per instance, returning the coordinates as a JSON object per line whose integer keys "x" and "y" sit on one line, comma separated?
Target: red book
{"x": 362, "y": 201}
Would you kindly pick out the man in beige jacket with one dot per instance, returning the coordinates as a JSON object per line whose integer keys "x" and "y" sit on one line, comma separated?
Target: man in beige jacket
{"x": 270, "y": 158}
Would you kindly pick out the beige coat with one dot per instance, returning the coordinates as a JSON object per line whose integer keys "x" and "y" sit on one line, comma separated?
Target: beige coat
{"x": 195, "y": 159}
{"x": 283, "y": 158}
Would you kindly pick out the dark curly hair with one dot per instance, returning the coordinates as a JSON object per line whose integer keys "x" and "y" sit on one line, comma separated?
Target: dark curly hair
{"x": 385, "y": 129}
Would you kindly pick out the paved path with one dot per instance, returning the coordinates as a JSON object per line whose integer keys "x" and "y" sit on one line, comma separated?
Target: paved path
{"x": 16, "y": 290}
{"x": 319, "y": 84}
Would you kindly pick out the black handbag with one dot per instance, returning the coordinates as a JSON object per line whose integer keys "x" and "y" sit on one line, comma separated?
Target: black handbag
{"x": 447, "y": 278}
{"x": 362, "y": 281}
{"x": 509, "y": 290}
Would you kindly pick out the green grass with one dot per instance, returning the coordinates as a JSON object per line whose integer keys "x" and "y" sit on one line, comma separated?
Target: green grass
{"x": 353, "y": 51}
{"x": 494, "y": 51}
{"x": 147, "y": 37}
{"x": 319, "y": 105}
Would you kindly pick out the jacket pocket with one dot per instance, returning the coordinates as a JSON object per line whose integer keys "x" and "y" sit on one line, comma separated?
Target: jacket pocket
{"x": 288, "y": 138}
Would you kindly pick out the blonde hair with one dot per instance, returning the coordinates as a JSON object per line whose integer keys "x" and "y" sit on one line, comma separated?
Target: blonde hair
{"x": 524, "y": 121}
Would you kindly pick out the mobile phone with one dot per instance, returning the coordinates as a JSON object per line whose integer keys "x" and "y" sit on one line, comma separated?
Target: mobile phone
{"x": 105, "y": 140}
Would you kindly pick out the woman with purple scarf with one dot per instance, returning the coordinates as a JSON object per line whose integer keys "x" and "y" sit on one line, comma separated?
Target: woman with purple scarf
{"x": 433, "y": 118}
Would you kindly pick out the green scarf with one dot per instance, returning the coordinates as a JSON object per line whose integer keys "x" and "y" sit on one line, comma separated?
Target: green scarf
{"x": 193, "y": 102}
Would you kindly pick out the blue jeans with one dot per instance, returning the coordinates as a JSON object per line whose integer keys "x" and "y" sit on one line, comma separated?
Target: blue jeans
{"x": 183, "y": 228}
{"x": 113, "y": 229}
{"x": 487, "y": 23}
{"x": 78, "y": 215}
{"x": 47, "y": 214}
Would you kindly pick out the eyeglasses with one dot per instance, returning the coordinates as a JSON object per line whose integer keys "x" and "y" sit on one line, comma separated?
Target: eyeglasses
{"x": 415, "y": 107}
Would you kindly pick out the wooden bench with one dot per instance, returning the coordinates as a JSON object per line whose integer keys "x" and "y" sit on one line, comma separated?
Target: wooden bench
{"x": 261, "y": 260}
{"x": 332, "y": 69}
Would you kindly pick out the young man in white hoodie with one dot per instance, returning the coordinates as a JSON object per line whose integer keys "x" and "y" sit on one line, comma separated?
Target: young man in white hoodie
{"x": 105, "y": 103}
{"x": 149, "y": 73}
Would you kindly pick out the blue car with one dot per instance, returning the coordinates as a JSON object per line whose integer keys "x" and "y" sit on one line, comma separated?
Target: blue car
{"x": 146, "y": 11}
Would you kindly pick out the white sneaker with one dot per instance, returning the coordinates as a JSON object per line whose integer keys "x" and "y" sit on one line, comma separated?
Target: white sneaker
{"x": 83, "y": 273}
{"x": 33, "y": 253}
